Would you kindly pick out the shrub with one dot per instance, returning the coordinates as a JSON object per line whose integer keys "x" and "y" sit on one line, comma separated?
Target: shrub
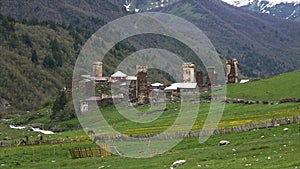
{"x": 47, "y": 102}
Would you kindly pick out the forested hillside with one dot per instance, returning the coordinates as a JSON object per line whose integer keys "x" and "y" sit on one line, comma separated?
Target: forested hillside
{"x": 37, "y": 59}
{"x": 264, "y": 45}
{"x": 84, "y": 13}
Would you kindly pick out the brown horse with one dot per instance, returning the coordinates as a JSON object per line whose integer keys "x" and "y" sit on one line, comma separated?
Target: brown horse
{"x": 21, "y": 142}
{"x": 91, "y": 132}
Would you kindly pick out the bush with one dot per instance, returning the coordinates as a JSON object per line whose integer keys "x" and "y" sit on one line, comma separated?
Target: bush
{"x": 47, "y": 102}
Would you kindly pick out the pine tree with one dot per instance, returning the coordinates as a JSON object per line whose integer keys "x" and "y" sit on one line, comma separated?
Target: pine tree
{"x": 27, "y": 40}
{"x": 34, "y": 57}
{"x": 59, "y": 105}
{"x": 54, "y": 46}
{"x": 48, "y": 62}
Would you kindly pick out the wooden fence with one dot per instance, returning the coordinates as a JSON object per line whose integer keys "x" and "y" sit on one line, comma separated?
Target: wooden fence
{"x": 85, "y": 152}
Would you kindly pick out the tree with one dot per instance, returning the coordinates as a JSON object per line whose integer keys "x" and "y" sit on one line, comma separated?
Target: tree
{"x": 63, "y": 108}
{"x": 54, "y": 45}
{"x": 59, "y": 105}
{"x": 69, "y": 111}
{"x": 14, "y": 41}
{"x": 48, "y": 62}
{"x": 57, "y": 58}
{"x": 53, "y": 25}
{"x": 9, "y": 26}
{"x": 26, "y": 40}
{"x": 34, "y": 57}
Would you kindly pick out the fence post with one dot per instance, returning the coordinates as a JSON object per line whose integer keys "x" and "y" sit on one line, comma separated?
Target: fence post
{"x": 100, "y": 152}
{"x": 79, "y": 153}
{"x": 92, "y": 155}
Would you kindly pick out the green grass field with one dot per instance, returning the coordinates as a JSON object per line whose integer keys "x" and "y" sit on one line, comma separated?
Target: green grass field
{"x": 279, "y": 87}
{"x": 277, "y": 149}
{"x": 234, "y": 115}
{"x": 264, "y": 148}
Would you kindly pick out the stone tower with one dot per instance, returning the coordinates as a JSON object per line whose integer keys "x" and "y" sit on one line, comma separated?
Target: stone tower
{"x": 199, "y": 78}
{"x": 232, "y": 71}
{"x": 142, "y": 90}
{"x": 211, "y": 76}
{"x": 188, "y": 72}
{"x": 97, "y": 69}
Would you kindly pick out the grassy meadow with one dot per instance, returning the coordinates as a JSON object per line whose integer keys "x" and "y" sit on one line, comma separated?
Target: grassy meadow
{"x": 271, "y": 89}
{"x": 275, "y": 147}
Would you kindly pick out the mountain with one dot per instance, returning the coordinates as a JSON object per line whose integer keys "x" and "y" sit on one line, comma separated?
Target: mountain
{"x": 286, "y": 9}
{"x": 142, "y": 5}
{"x": 264, "y": 45}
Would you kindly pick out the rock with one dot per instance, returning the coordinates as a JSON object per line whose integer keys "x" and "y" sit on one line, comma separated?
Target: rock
{"x": 7, "y": 138}
{"x": 224, "y": 142}
{"x": 288, "y": 100}
{"x": 28, "y": 128}
{"x": 177, "y": 163}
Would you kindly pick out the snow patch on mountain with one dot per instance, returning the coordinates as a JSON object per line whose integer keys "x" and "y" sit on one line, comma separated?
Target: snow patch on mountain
{"x": 238, "y": 3}
{"x": 287, "y": 9}
{"x": 270, "y": 3}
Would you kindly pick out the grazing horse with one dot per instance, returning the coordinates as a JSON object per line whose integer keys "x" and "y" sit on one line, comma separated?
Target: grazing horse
{"x": 21, "y": 142}
{"x": 99, "y": 138}
{"x": 91, "y": 132}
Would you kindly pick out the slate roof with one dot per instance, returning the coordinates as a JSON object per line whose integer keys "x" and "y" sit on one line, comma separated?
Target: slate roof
{"x": 176, "y": 86}
{"x": 119, "y": 74}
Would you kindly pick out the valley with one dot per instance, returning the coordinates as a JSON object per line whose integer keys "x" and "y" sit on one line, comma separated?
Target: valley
{"x": 53, "y": 117}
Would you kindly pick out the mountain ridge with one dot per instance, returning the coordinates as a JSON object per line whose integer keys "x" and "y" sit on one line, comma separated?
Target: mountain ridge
{"x": 271, "y": 3}
{"x": 258, "y": 41}
{"x": 286, "y": 9}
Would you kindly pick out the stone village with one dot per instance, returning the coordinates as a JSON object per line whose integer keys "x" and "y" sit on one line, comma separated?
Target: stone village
{"x": 136, "y": 90}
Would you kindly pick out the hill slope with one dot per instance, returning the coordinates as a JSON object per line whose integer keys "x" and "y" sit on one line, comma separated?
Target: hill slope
{"x": 84, "y": 13}
{"x": 36, "y": 61}
{"x": 272, "y": 89}
{"x": 264, "y": 45}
